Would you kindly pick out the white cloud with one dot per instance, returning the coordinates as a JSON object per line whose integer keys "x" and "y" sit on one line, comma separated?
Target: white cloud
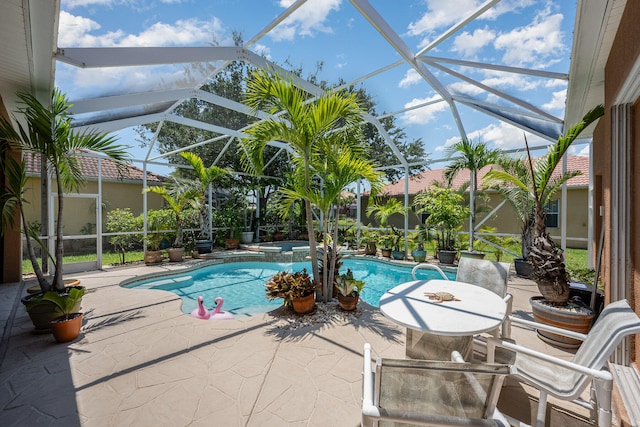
{"x": 537, "y": 44}
{"x": 442, "y": 13}
{"x": 411, "y": 77}
{"x": 464, "y": 88}
{"x": 499, "y": 135}
{"x": 306, "y": 21}
{"x": 424, "y": 114}
{"x": 580, "y": 150}
{"x": 557, "y": 101}
{"x": 79, "y": 31}
{"x": 469, "y": 44}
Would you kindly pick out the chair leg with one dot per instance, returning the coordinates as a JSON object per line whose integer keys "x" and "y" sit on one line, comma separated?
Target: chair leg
{"x": 542, "y": 409}
{"x": 603, "y": 395}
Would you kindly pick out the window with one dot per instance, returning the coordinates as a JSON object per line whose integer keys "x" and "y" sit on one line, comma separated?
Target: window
{"x": 552, "y": 214}
{"x": 423, "y": 217}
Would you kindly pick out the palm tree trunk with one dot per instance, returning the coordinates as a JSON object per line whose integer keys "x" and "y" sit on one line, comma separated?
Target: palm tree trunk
{"x": 313, "y": 253}
{"x": 334, "y": 259}
{"x": 42, "y": 281}
{"x": 472, "y": 209}
{"x": 58, "y": 283}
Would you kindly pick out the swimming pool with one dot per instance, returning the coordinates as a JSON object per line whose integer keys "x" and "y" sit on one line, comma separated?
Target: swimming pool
{"x": 241, "y": 284}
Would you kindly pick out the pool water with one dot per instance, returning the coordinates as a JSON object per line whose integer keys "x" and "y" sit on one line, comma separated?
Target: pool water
{"x": 241, "y": 284}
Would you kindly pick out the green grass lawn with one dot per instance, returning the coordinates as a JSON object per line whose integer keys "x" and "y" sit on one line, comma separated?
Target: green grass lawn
{"x": 108, "y": 258}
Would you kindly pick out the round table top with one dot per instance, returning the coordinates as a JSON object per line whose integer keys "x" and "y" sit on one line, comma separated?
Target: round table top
{"x": 476, "y": 309}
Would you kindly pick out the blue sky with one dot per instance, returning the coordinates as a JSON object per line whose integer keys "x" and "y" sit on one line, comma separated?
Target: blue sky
{"x": 517, "y": 33}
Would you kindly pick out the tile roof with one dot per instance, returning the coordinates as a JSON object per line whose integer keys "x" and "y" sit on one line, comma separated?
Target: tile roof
{"x": 425, "y": 179}
{"x": 90, "y": 169}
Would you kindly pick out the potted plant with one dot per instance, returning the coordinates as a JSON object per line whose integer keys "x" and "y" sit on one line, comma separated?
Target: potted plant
{"x": 348, "y": 290}
{"x": 396, "y": 239}
{"x": 296, "y": 289}
{"x": 66, "y": 327}
{"x": 369, "y": 237}
{"x": 177, "y": 195}
{"x": 204, "y": 177}
{"x": 155, "y": 225}
{"x": 47, "y": 135}
{"x": 529, "y": 187}
{"x": 419, "y": 254}
{"x": 446, "y": 214}
{"x": 381, "y": 213}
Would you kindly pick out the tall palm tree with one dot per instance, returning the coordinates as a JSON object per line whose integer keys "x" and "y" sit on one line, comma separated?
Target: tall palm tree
{"x": 203, "y": 178}
{"x": 540, "y": 187}
{"x": 472, "y": 156}
{"x": 48, "y": 134}
{"x": 300, "y": 122}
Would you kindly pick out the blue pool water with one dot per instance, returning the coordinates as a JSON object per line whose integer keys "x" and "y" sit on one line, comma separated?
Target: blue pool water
{"x": 241, "y": 284}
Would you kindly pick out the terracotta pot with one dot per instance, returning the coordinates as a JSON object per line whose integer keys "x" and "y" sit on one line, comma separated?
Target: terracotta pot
{"x": 386, "y": 252}
{"x": 152, "y": 257}
{"x": 231, "y": 243}
{"x": 65, "y": 330}
{"x": 348, "y": 302}
{"x": 278, "y": 236}
{"x": 304, "y": 305}
{"x": 370, "y": 248}
{"x": 578, "y": 320}
{"x": 42, "y": 313}
{"x": 175, "y": 254}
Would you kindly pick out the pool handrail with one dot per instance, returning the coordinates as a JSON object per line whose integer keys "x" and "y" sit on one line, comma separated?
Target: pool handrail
{"x": 428, "y": 267}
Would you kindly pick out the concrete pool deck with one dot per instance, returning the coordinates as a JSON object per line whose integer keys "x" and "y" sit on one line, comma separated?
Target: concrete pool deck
{"x": 141, "y": 361}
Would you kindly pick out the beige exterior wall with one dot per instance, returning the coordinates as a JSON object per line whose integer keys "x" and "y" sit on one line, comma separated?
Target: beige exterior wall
{"x": 79, "y": 211}
{"x": 505, "y": 220}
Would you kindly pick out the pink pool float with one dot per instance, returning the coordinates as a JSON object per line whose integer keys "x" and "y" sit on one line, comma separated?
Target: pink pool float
{"x": 218, "y": 314}
{"x": 201, "y": 312}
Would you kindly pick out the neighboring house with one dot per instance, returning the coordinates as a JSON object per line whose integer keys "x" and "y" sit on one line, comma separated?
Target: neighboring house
{"x": 504, "y": 220}
{"x": 80, "y": 209}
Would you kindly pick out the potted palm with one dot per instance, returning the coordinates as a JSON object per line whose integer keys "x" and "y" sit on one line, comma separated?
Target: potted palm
{"x": 535, "y": 189}
{"x": 296, "y": 289}
{"x": 349, "y": 290}
{"x": 419, "y": 254}
{"x": 396, "y": 240}
{"x": 446, "y": 214}
{"x": 382, "y": 212}
{"x": 177, "y": 195}
{"x": 66, "y": 327}
{"x": 47, "y": 134}
{"x": 203, "y": 178}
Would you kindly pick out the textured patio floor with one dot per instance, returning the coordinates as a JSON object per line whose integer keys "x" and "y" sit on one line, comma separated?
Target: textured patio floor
{"x": 140, "y": 361}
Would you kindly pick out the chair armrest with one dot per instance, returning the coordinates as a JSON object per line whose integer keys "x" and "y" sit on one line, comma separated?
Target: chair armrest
{"x": 538, "y": 325}
{"x": 594, "y": 373}
{"x": 428, "y": 267}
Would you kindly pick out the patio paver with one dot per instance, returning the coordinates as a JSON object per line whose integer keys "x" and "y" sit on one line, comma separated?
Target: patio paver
{"x": 141, "y": 361}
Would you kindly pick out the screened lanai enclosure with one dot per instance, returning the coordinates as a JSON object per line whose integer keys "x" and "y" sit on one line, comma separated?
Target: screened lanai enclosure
{"x": 427, "y": 74}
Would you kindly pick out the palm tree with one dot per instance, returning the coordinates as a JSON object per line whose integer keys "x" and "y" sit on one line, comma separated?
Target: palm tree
{"x": 540, "y": 187}
{"x": 383, "y": 211}
{"x": 336, "y": 163}
{"x": 177, "y": 195}
{"x": 300, "y": 122}
{"x": 203, "y": 177}
{"x": 472, "y": 156}
{"x": 48, "y": 134}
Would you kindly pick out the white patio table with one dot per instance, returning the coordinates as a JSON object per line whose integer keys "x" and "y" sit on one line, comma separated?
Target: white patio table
{"x": 435, "y": 328}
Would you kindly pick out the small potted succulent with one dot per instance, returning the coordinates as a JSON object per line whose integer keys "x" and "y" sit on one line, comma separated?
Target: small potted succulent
{"x": 296, "y": 289}
{"x": 349, "y": 290}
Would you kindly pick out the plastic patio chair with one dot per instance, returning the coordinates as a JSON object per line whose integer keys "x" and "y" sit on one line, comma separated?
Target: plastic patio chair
{"x": 490, "y": 275}
{"x": 567, "y": 380}
{"x": 407, "y": 392}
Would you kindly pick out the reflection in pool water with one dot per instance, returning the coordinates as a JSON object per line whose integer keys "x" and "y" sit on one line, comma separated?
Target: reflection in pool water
{"x": 241, "y": 284}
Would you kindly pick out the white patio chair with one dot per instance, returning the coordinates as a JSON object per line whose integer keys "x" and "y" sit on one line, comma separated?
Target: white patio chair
{"x": 490, "y": 275}
{"x": 567, "y": 380}
{"x": 407, "y": 392}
